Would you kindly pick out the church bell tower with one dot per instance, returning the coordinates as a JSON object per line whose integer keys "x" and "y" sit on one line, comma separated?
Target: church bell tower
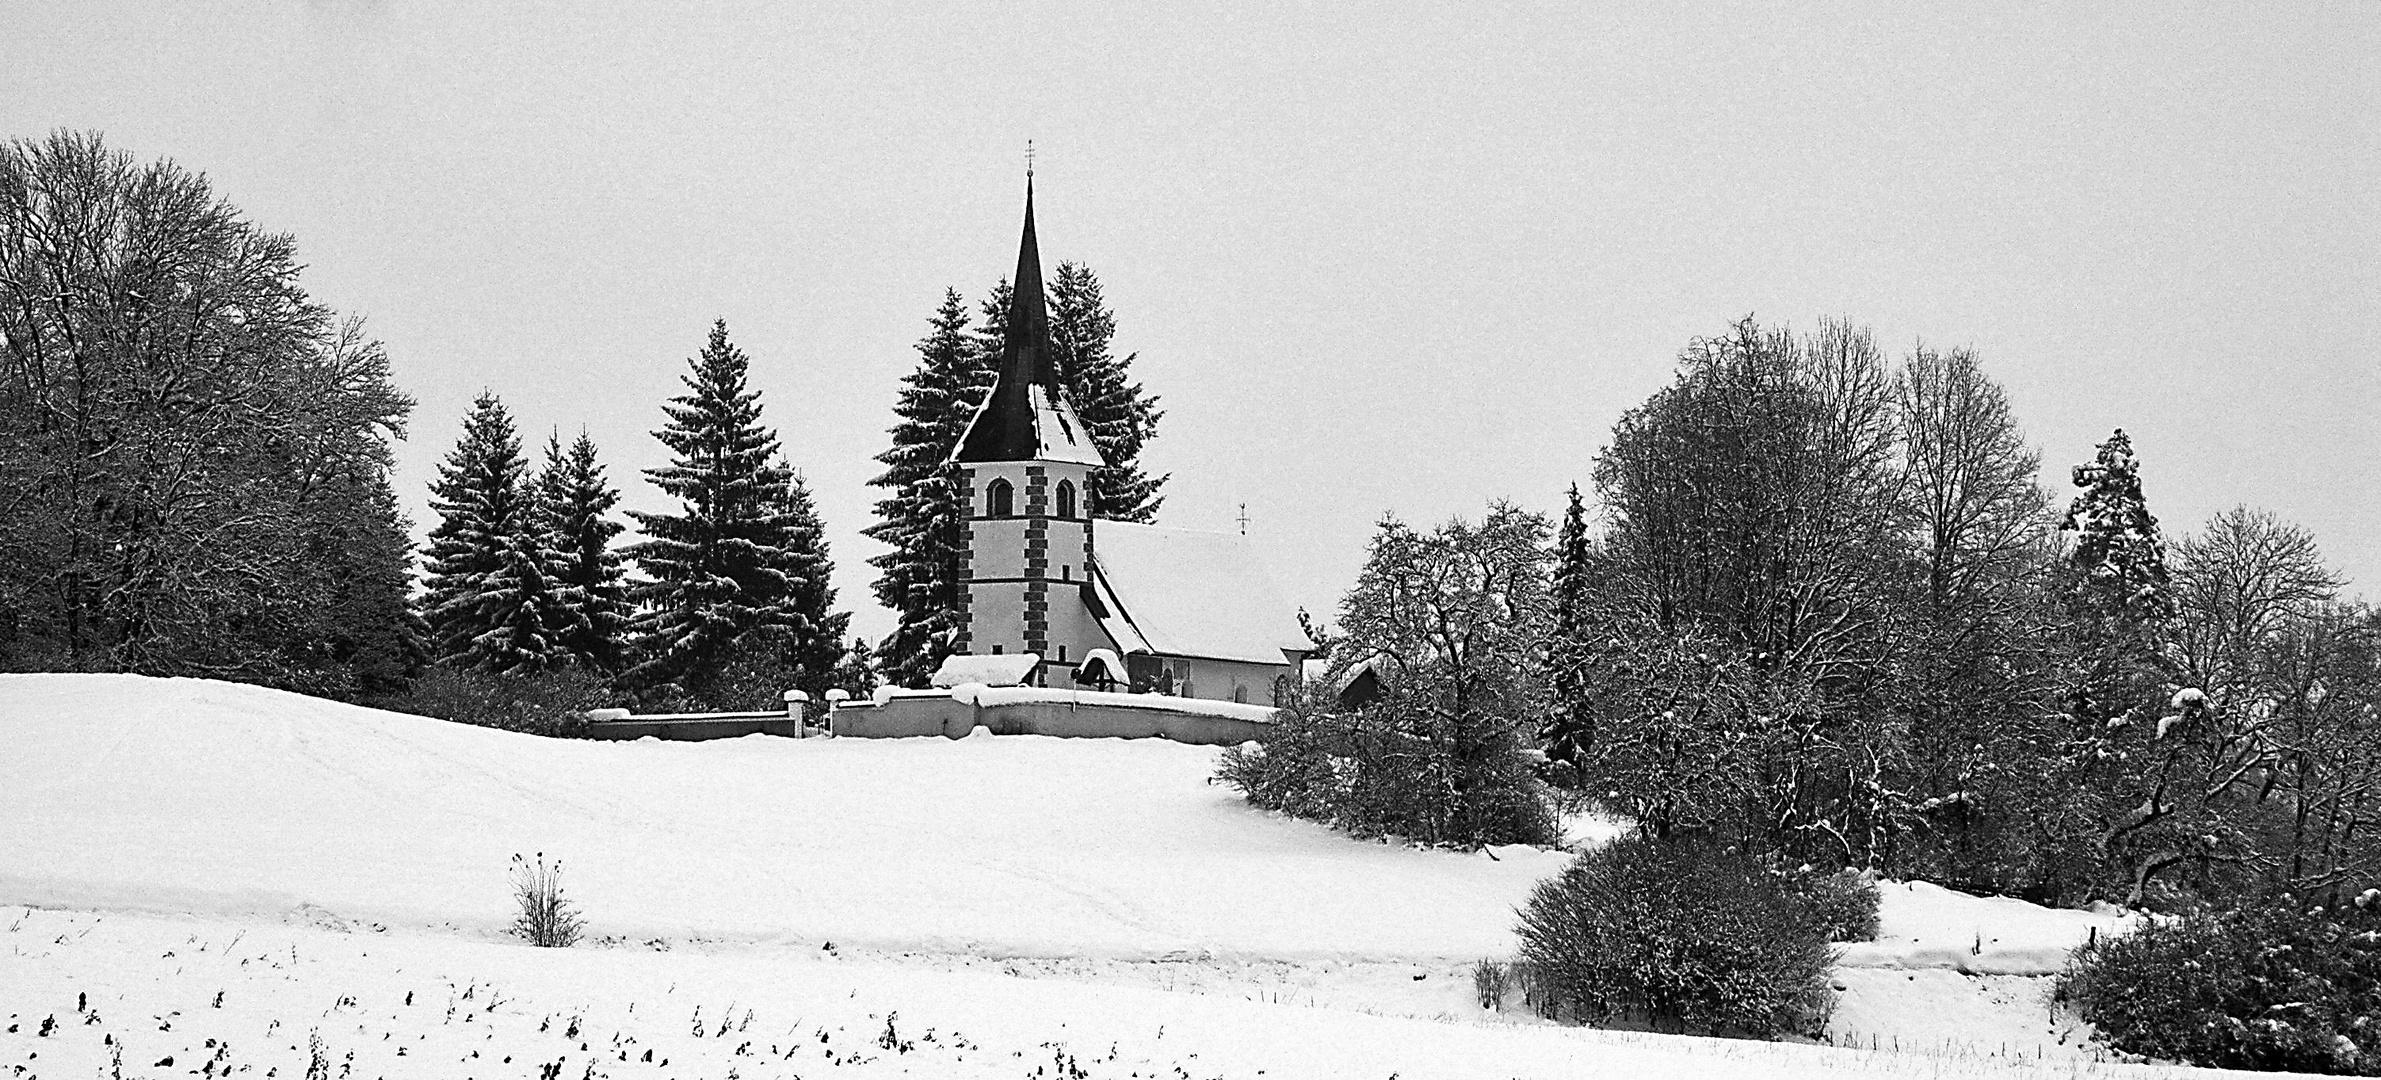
{"x": 1025, "y": 463}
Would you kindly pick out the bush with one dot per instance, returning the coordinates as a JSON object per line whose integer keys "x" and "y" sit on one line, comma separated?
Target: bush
{"x": 1676, "y": 936}
{"x": 2270, "y": 986}
{"x": 749, "y": 680}
{"x": 1841, "y": 905}
{"x": 547, "y": 919}
{"x": 1489, "y": 979}
{"x": 1395, "y": 768}
{"x": 551, "y": 703}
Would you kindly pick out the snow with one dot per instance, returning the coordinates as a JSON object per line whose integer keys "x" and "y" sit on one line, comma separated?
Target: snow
{"x": 189, "y": 796}
{"x": 1963, "y": 970}
{"x": 1024, "y": 695}
{"x": 1185, "y": 592}
{"x": 1058, "y": 433}
{"x": 210, "y": 861}
{"x": 992, "y": 669}
{"x": 1926, "y": 926}
{"x": 386, "y": 1003}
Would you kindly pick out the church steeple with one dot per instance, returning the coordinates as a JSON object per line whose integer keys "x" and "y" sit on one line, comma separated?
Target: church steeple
{"x": 1025, "y": 350}
{"x": 1027, "y": 417}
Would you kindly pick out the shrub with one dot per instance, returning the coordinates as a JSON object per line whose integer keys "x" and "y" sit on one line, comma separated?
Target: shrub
{"x": 2268, "y": 986}
{"x": 1489, "y": 978}
{"x": 1841, "y": 905}
{"x": 1676, "y": 936}
{"x": 752, "y": 679}
{"x": 1395, "y": 768}
{"x": 547, "y": 919}
{"x": 551, "y": 703}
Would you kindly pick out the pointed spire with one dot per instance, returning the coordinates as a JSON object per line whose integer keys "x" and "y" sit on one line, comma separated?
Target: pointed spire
{"x": 1025, "y": 353}
{"x": 1009, "y": 426}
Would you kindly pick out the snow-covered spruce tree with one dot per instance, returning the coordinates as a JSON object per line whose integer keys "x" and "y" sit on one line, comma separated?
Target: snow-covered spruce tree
{"x": 2120, "y": 617}
{"x": 725, "y": 586}
{"x": 1570, "y": 726}
{"x": 857, "y": 674}
{"x": 574, "y": 502}
{"x": 920, "y": 518}
{"x": 2121, "y": 585}
{"x": 991, "y": 331}
{"x": 813, "y": 646}
{"x": 362, "y": 561}
{"x": 1121, "y": 416}
{"x": 487, "y": 587}
{"x": 802, "y": 651}
{"x": 520, "y": 599}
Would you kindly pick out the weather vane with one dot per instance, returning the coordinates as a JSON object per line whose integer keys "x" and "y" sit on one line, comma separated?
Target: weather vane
{"x": 1029, "y": 159}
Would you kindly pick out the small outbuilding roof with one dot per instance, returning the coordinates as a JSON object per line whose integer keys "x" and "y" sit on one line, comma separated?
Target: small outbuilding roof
{"x": 996, "y": 669}
{"x": 1180, "y": 592}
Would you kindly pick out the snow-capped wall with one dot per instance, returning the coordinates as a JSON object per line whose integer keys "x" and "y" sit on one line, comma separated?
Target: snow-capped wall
{"x": 1028, "y": 710}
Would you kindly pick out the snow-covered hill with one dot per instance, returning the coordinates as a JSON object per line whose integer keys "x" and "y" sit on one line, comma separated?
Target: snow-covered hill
{"x": 188, "y": 795}
{"x": 233, "y": 863}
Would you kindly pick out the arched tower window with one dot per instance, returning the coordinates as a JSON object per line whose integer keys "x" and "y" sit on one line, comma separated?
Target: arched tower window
{"x": 1066, "y": 499}
{"x": 999, "y": 499}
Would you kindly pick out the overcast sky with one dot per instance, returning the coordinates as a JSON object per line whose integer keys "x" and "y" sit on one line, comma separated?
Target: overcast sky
{"x": 1401, "y": 261}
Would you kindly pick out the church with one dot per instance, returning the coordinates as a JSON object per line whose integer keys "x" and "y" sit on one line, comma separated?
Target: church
{"x": 1188, "y": 613}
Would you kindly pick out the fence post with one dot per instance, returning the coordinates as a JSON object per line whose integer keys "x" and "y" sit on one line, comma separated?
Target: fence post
{"x": 794, "y": 702}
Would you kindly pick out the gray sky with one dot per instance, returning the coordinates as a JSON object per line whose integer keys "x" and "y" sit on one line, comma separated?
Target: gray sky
{"x": 1404, "y": 261}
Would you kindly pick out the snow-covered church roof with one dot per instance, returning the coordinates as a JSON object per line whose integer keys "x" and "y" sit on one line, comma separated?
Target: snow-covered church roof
{"x": 1180, "y": 592}
{"x": 1038, "y": 425}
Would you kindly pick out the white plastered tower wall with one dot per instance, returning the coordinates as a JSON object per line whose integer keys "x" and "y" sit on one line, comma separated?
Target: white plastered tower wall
{"x": 1022, "y": 572}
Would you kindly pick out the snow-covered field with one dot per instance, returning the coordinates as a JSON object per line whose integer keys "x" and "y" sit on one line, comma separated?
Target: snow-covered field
{"x": 220, "y": 875}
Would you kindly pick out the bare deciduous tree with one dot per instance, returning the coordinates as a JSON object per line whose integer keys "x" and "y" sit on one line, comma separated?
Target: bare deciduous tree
{"x": 187, "y": 438}
{"x": 1755, "y": 530}
{"x": 1971, "y": 482}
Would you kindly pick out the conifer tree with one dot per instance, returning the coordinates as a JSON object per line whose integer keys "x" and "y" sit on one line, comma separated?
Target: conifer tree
{"x": 575, "y": 501}
{"x": 371, "y": 623}
{"x": 920, "y": 518}
{"x": 2124, "y": 775}
{"x": 1121, "y": 416}
{"x": 722, "y": 570}
{"x": 813, "y": 639}
{"x": 519, "y": 600}
{"x": 478, "y": 496}
{"x": 2119, "y": 601}
{"x": 858, "y": 673}
{"x": 992, "y": 331}
{"x": 1571, "y": 726}
{"x": 2121, "y": 582}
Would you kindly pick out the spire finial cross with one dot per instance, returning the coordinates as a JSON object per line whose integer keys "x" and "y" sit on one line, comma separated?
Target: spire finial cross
{"x": 1029, "y": 159}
